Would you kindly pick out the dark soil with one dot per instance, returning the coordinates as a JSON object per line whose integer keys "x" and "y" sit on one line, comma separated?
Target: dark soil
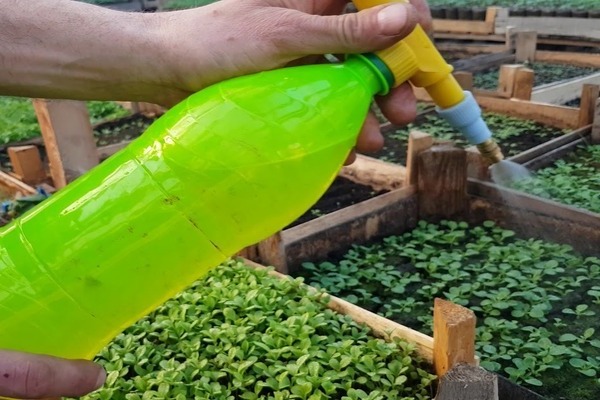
{"x": 341, "y": 194}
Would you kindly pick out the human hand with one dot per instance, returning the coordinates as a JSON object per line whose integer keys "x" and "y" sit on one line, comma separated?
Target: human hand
{"x": 164, "y": 57}
{"x": 241, "y": 37}
{"x": 33, "y": 376}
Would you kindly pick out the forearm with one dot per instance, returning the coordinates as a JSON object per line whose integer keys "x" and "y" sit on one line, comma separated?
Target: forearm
{"x": 69, "y": 49}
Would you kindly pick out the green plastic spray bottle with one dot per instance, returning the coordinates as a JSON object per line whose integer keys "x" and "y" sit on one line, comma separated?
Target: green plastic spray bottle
{"x": 224, "y": 169}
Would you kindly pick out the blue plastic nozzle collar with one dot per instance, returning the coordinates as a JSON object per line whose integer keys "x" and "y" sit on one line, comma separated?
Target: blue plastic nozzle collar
{"x": 466, "y": 117}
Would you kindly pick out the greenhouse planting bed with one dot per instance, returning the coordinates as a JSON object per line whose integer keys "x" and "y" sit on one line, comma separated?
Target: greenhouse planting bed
{"x": 536, "y": 301}
{"x": 241, "y": 333}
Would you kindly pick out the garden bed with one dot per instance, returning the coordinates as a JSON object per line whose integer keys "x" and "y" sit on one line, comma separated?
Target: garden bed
{"x": 241, "y": 333}
{"x": 536, "y": 301}
{"x": 512, "y": 134}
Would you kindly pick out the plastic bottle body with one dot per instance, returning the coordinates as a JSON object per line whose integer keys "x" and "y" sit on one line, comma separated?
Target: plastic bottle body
{"x": 222, "y": 170}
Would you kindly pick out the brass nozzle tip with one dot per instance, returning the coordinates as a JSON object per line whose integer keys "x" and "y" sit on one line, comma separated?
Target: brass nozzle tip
{"x": 491, "y": 151}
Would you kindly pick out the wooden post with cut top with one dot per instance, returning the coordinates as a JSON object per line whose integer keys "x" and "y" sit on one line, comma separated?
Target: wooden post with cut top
{"x": 453, "y": 336}
{"x": 454, "y": 355}
{"x": 27, "y": 164}
{"x": 596, "y": 126}
{"x": 442, "y": 182}
{"x": 523, "y": 84}
{"x": 465, "y": 79}
{"x": 526, "y": 46}
{"x": 68, "y": 137}
{"x": 271, "y": 252}
{"x": 587, "y": 107}
{"x": 507, "y": 79}
{"x": 417, "y": 143}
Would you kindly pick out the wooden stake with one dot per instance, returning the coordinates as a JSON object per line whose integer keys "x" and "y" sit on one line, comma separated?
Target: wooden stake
{"x": 442, "y": 182}
{"x": 589, "y": 96}
{"x": 524, "y": 81}
{"x": 526, "y": 43}
{"x": 465, "y": 79}
{"x": 507, "y": 79}
{"x": 453, "y": 336}
{"x": 68, "y": 137}
{"x": 596, "y": 127}
{"x": 417, "y": 143}
{"x": 27, "y": 164}
{"x": 271, "y": 252}
{"x": 250, "y": 253}
{"x": 468, "y": 382}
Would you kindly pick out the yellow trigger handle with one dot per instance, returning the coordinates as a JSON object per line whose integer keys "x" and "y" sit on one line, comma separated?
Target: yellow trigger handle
{"x": 416, "y": 59}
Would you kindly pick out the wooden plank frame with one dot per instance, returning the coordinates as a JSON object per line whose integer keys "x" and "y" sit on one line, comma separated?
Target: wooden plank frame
{"x": 486, "y": 27}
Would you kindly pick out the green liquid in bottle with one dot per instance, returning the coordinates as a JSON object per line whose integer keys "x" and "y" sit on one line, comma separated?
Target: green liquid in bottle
{"x": 224, "y": 169}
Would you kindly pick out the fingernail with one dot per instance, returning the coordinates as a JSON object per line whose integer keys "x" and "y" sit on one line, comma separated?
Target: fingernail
{"x": 392, "y": 19}
{"x": 101, "y": 378}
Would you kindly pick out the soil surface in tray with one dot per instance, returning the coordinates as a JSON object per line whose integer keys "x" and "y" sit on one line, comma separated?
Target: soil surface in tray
{"x": 537, "y": 303}
{"x": 341, "y": 194}
{"x": 512, "y": 134}
{"x": 544, "y": 73}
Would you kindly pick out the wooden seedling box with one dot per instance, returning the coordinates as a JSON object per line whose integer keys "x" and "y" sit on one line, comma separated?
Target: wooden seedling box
{"x": 441, "y": 190}
{"x": 450, "y": 352}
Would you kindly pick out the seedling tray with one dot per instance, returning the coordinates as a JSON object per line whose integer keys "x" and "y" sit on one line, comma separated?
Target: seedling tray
{"x": 536, "y": 302}
{"x": 241, "y": 332}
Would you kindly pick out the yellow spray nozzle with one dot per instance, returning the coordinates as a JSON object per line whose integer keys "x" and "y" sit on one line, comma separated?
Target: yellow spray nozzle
{"x": 416, "y": 59}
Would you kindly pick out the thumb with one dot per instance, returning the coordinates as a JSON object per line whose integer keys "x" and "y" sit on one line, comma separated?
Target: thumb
{"x": 34, "y": 376}
{"x": 368, "y": 30}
